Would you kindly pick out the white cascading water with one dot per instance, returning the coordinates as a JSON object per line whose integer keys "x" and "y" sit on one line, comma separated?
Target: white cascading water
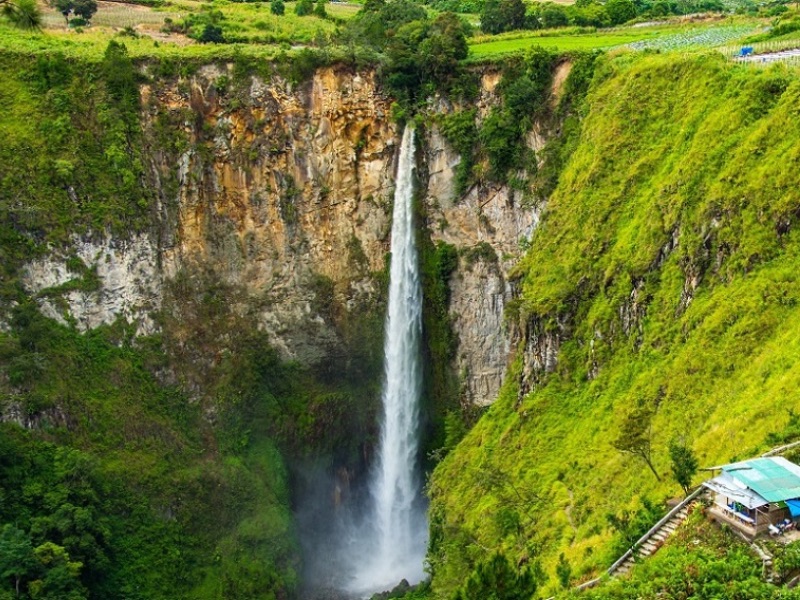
{"x": 398, "y": 525}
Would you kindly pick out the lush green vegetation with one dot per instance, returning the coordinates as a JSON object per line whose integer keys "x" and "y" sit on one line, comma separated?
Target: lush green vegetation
{"x": 498, "y": 16}
{"x": 156, "y": 467}
{"x": 701, "y": 561}
{"x": 119, "y": 490}
{"x": 664, "y": 269}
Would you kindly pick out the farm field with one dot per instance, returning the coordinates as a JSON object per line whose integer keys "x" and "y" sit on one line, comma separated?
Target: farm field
{"x": 252, "y": 28}
{"x": 663, "y": 37}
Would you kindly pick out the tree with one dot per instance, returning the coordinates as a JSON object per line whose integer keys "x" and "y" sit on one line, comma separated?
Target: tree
{"x": 277, "y": 7}
{"x": 85, "y": 9}
{"x": 64, "y": 7}
{"x": 620, "y": 11}
{"x": 563, "y": 571}
{"x": 502, "y": 15}
{"x": 17, "y": 560}
{"x": 497, "y": 579}
{"x": 592, "y": 14}
{"x": 303, "y": 8}
{"x": 120, "y": 77}
{"x": 635, "y": 436}
{"x": 60, "y": 578}
{"x": 378, "y": 21}
{"x": 24, "y": 14}
{"x": 499, "y": 136}
{"x": 445, "y": 45}
{"x": 684, "y": 464}
{"x": 554, "y": 16}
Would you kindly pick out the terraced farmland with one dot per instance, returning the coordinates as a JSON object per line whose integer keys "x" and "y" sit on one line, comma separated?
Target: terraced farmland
{"x": 662, "y": 37}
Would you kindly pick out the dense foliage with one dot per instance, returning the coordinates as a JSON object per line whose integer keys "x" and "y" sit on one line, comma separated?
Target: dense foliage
{"x": 116, "y": 491}
{"x": 154, "y": 467}
{"x": 668, "y": 237}
{"x": 498, "y": 16}
{"x": 421, "y": 54}
{"x": 664, "y": 272}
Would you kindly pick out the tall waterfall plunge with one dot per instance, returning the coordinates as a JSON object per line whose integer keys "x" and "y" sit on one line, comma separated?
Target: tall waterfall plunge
{"x": 397, "y": 528}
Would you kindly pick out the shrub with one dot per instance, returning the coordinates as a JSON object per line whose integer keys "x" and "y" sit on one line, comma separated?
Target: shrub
{"x": 212, "y": 34}
{"x": 304, "y": 8}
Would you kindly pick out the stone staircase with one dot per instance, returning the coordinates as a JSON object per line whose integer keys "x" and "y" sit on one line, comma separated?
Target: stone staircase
{"x": 652, "y": 541}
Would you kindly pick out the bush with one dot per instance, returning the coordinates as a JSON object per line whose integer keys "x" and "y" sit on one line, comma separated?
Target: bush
{"x": 620, "y": 11}
{"x": 212, "y": 34}
{"x": 497, "y": 579}
{"x": 304, "y": 8}
{"x": 277, "y": 7}
{"x": 461, "y": 133}
{"x": 554, "y": 16}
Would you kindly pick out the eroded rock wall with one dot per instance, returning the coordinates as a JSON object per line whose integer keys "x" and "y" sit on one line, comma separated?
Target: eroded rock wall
{"x": 490, "y": 226}
{"x": 283, "y": 194}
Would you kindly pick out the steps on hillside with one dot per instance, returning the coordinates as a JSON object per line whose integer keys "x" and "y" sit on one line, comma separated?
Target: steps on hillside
{"x": 652, "y": 540}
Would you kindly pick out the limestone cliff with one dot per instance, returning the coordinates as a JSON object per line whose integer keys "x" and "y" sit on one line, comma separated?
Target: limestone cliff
{"x": 282, "y": 193}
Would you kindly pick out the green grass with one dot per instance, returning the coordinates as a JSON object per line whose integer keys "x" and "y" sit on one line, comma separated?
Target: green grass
{"x": 668, "y": 36}
{"x": 675, "y": 145}
{"x": 255, "y": 30}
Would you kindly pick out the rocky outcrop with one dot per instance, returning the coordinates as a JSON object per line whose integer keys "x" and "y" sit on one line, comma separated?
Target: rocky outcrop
{"x": 490, "y": 226}
{"x": 282, "y": 193}
{"x": 128, "y": 283}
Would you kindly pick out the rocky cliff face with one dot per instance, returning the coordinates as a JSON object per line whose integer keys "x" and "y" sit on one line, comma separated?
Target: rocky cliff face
{"x": 282, "y": 194}
{"x": 487, "y": 225}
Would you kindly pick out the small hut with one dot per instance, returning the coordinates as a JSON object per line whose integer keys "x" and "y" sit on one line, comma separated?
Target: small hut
{"x": 757, "y": 495}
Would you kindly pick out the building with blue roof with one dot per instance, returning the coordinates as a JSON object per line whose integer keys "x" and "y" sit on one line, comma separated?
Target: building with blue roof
{"x": 757, "y": 495}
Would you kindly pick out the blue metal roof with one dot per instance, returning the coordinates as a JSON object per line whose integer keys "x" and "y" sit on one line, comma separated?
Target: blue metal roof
{"x": 773, "y": 478}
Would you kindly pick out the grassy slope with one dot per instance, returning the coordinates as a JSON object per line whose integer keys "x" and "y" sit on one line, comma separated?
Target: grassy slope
{"x": 689, "y": 145}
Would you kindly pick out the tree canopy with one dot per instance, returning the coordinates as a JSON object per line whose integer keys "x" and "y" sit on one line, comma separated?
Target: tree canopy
{"x": 25, "y": 14}
{"x": 502, "y": 15}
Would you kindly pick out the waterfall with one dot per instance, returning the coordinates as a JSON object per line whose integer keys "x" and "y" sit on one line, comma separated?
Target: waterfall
{"x": 398, "y": 525}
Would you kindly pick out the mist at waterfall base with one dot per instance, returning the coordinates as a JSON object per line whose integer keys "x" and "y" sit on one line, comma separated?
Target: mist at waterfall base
{"x": 377, "y": 534}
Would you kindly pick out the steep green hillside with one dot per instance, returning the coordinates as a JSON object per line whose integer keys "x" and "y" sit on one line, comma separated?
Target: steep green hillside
{"x": 665, "y": 273}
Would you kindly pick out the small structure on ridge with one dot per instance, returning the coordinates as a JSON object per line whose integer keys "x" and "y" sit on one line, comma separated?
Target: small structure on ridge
{"x": 757, "y": 496}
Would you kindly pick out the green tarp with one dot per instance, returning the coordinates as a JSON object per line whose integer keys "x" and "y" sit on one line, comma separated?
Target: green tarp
{"x": 773, "y": 478}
